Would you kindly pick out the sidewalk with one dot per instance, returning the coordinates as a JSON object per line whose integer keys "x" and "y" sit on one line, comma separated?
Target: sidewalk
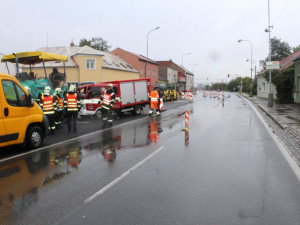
{"x": 284, "y": 119}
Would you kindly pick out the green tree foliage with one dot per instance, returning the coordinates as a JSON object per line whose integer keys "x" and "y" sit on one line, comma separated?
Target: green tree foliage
{"x": 280, "y": 49}
{"x": 207, "y": 87}
{"x": 97, "y": 43}
{"x": 219, "y": 86}
{"x": 246, "y": 81}
{"x": 234, "y": 85}
{"x": 296, "y": 49}
{"x": 284, "y": 81}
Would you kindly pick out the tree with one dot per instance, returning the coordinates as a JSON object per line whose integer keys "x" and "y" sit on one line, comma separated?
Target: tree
{"x": 233, "y": 85}
{"x": 296, "y": 49}
{"x": 284, "y": 81}
{"x": 280, "y": 49}
{"x": 97, "y": 43}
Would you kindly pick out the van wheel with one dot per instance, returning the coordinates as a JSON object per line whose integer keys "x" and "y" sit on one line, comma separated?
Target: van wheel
{"x": 35, "y": 137}
{"x": 171, "y": 98}
{"x": 137, "y": 110}
{"x": 98, "y": 114}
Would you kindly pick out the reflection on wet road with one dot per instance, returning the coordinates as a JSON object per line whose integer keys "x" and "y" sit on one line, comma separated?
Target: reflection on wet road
{"x": 224, "y": 170}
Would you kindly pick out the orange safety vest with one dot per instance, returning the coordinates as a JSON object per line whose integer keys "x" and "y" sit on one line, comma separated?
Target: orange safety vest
{"x": 106, "y": 98}
{"x": 72, "y": 102}
{"x": 48, "y": 106}
{"x": 60, "y": 102}
{"x": 154, "y": 96}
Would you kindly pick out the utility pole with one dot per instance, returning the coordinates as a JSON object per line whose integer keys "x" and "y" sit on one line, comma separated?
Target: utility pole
{"x": 270, "y": 97}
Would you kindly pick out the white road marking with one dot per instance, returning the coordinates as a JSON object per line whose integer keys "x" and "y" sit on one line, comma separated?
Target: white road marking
{"x": 118, "y": 179}
{"x": 279, "y": 144}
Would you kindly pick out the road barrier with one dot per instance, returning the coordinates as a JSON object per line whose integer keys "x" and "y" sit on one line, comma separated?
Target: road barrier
{"x": 182, "y": 95}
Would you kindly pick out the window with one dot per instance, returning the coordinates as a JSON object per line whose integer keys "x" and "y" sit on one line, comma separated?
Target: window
{"x": 90, "y": 64}
{"x": 123, "y": 65}
{"x": 129, "y": 66}
{"x": 115, "y": 64}
{"x": 94, "y": 92}
{"x": 14, "y": 95}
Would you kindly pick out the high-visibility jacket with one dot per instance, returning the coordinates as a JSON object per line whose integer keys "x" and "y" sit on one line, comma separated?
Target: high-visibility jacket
{"x": 154, "y": 96}
{"x": 48, "y": 104}
{"x": 72, "y": 103}
{"x": 108, "y": 100}
{"x": 60, "y": 102}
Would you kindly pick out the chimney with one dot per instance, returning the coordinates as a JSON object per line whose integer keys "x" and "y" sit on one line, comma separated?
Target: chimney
{"x": 72, "y": 44}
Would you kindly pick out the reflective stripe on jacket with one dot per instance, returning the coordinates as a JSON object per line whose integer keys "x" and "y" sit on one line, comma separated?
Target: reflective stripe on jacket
{"x": 60, "y": 102}
{"x": 72, "y": 102}
{"x": 154, "y": 96}
{"x": 48, "y": 104}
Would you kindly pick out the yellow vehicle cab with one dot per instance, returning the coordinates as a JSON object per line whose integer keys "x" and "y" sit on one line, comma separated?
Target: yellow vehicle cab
{"x": 21, "y": 120}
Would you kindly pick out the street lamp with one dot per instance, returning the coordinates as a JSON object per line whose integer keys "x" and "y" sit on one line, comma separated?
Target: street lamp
{"x": 182, "y": 58}
{"x": 251, "y": 64}
{"x": 268, "y": 30}
{"x": 147, "y": 48}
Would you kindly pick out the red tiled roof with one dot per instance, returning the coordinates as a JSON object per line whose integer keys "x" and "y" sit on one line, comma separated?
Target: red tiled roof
{"x": 286, "y": 62}
{"x": 141, "y": 57}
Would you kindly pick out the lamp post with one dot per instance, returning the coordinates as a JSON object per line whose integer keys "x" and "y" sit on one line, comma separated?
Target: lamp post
{"x": 147, "y": 48}
{"x": 268, "y": 30}
{"x": 182, "y": 58}
{"x": 254, "y": 66}
{"x": 251, "y": 65}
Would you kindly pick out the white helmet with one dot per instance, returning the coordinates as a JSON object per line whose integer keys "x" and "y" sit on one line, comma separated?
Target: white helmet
{"x": 27, "y": 89}
{"x": 72, "y": 88}
{"x": 57, "y": 90}
{"x": 110, "y": 85}
{"x": 47, "y": 90}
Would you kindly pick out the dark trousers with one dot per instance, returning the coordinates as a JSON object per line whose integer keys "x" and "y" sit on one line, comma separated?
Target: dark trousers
{"x": 58, "y": 118}
{"x": 107, "y": 116}
{"x": 51, "y": 119}
{"x": 72, "y": 116}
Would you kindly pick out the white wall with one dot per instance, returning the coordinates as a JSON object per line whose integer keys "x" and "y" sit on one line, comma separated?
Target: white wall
{"x": 172, "y": 75}
{"x": 263, "y": 88}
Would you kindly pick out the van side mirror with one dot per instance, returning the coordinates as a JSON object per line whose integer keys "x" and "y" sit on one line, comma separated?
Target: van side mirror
{"x": 29, "y": 101}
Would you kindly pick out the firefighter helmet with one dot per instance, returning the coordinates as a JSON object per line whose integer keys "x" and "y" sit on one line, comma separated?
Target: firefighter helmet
{"x": 110, "y": 85}
{"x": 57, "y": 90}
{"x": 47, "y": 90}
{"x": 27, "y": 89}
{"x": 72, "y": 88}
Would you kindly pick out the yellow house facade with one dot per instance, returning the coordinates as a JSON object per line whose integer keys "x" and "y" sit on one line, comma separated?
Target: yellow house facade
{"x": 86, "y": 64}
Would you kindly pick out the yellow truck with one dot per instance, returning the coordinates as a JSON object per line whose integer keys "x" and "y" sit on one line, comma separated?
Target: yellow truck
{"x": 21, "y": 120}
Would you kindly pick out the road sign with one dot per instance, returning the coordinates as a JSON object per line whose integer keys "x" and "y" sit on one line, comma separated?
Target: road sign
{"x": 273, "y": 65}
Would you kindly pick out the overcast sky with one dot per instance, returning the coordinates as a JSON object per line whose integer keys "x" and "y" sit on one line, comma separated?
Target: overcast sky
{"x": 208, "y": 29}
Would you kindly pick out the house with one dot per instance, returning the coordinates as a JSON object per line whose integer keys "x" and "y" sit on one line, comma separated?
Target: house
{"x": 168, "y": 71}
{"x": 11, "y": 67}
{"x": 141, "y": 64}
{"x": 86, "y": 64}
{"x": 297, "y": 80}
{"x": 189, "y": 79}
{"x": 263, "y": 86}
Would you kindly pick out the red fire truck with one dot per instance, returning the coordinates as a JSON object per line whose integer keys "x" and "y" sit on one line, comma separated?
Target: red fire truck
{"x": 131, "y": 96}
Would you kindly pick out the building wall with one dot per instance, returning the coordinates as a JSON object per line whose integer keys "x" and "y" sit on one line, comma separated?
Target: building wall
{"x": 89, "y": 75}
{"x": 263, "y": 88}
{"x": 189, "y": 82}
{"x": 112, "y": 75}
{"x": 297, "y": 82}
{"x": 139, "y": 66}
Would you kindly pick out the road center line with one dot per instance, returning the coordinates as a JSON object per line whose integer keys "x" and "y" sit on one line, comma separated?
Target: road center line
{"x": 118, "y": 179}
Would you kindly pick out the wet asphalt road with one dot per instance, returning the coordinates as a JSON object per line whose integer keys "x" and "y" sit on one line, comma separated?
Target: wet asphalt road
{"x": 225, "y": 170}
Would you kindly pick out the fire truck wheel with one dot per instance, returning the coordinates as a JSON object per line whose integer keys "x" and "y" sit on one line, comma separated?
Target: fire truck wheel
{"x": 98, "y": 114}
{"x": 137, "y": 110}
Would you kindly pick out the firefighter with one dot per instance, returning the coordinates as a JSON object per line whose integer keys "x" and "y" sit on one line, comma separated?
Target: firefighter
{"x": 48, "y": 104}
{"x": 72, "y": 107}
{"x": 107, "y": 102}
{"x": 60, "y": 105}
{"x": 154, "y": 101}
